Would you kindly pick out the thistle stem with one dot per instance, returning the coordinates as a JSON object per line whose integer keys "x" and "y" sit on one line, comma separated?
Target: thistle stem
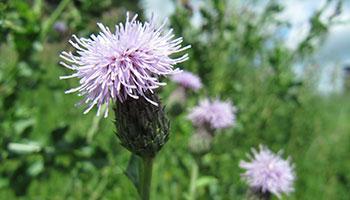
{"x": 194, "y": 176}
{"x": 146, "y": 177}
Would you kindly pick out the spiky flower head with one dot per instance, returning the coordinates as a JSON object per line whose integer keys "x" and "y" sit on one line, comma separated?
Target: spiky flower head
{"x": 187, "y": 80}
{"x": 126, "y": 63}
{"x": 267, "y": 172}
{"x": 213, "y": 114}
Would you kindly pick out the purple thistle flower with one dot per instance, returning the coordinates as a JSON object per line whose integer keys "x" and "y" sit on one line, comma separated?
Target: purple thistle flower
{"x": 268, "y": 172}
{"x": 215, "y": 114}
{"x": 187, "y": 80}
{"x": 126, "y": 63}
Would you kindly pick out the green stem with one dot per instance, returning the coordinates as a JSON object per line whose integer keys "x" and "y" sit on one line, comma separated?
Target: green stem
{"x": 194, "y": 176}
{"x": 94, "y": 126}
{"x": 146, "y": 177}
{"x": 53, "y": 17}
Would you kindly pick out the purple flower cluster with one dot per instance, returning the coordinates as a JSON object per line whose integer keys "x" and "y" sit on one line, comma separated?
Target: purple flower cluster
{"x": 114, "y": 66}
{"x": 187, "y": 80}
{"x": 215, "y": 114}
{"x": 268, "y": 172}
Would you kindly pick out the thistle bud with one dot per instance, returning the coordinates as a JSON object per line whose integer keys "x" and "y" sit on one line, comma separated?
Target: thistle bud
{"x": 60, "y": 27}
{"x": 201, "y": 141}
{"x": 255, "y": 194}
{"x": 178, "y": 96}
{"x": 142, "y": 127}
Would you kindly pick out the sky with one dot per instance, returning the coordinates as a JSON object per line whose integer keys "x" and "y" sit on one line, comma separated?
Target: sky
{"x": 335, "y": 52}
{"x": 332, "y": 57}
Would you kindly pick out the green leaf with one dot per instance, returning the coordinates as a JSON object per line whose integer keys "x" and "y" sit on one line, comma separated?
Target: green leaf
{"x": 205, "y": 180}
{"x": 4, "y": 182}
{"x": 24, "y": 148}
{"x": 36, "y": 168}
{"x": 21, "y": 125}
{"x": 133, "y": 171}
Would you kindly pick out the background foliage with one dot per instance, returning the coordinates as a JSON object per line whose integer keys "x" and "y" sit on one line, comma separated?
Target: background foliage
{"x": 50, "y": 150}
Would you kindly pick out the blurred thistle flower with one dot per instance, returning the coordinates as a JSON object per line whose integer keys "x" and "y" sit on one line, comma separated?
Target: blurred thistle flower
{"x": 213, "y": 114}
{"x": 267, "y": 172}
{"x": 124, "y": 64}
{"x": 187, "y": 80}
{"x": 178, "y": 97}
{"x": 60, "y": 27}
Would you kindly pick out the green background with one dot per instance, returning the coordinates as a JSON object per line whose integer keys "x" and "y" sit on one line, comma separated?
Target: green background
{"x": 236, "y": 58}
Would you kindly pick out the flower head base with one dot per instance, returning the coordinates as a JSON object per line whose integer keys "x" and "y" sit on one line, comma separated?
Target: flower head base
{"x": 268, "y": 172}
{"x": 124, "y": 64}
{"x": 214, "y": 114}
{"x": 187, "y": 80}
{"x": 200, "y": 142}
{"x": 142, "y": 128}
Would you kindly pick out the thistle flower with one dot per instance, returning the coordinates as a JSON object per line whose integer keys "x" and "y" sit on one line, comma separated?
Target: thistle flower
{"x": 214, "y": 114}
{"x": 124, "y": 64}
{"x": 187, "y": 80}
{"x": 267, "y": 172}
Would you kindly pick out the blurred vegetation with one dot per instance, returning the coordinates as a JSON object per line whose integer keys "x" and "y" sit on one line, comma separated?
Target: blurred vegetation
{"x": 50, "y": 150}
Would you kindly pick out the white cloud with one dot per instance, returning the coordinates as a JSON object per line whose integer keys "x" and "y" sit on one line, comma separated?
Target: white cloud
{"x": 161, "y": 9}
{"x": 298, "y": 12}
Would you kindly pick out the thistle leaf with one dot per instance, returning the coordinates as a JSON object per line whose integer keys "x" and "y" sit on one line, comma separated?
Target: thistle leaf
{"x": 133, "y": 171}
